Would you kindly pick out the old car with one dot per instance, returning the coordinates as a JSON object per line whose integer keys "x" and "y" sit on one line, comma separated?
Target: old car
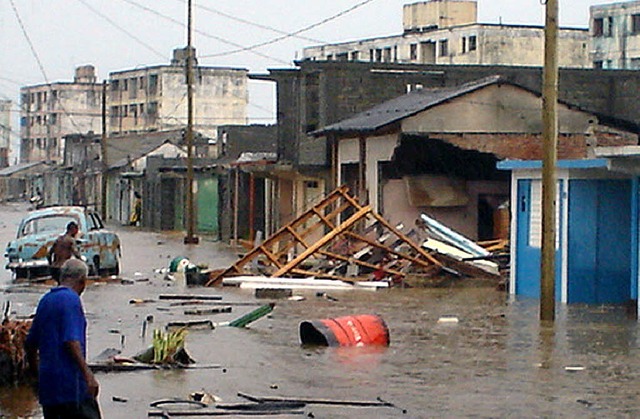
{"x": 27, "y": 254}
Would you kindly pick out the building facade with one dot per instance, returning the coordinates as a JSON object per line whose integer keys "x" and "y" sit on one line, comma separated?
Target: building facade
{"x": 5, "y": 132}
{"x": 615, "y": 35}
{"x": 155, "y": 98}
{"x": 51, "y": 111}
{"x": 447, "y": 32}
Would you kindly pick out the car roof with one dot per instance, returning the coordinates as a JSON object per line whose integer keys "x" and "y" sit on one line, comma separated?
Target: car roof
{"x": 57, "y": 210}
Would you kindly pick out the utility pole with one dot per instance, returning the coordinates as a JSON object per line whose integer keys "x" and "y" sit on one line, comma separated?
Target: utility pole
{"x": 549, "y": 177}
{"x": 190, "y": 238}
{"x": 103, "y": 152}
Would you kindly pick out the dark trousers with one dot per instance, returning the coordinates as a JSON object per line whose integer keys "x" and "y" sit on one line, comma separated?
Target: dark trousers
{"x": 55, "y": 274}
{"x": 86, "y": 409}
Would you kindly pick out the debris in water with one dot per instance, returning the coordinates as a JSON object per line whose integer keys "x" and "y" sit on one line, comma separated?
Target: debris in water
{"x": 449, "y": 320}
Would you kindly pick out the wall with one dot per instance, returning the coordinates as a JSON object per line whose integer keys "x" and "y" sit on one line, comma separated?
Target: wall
{"x": 494, "y": 109}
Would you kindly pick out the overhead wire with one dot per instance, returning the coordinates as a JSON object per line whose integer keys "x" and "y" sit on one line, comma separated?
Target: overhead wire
{"x": 120, "y": 28}
{"x": 292, "y": 34}
{"x": 250, "y": 23}
{"x": 200, "y": 32}
{"x": 39, "y": 62}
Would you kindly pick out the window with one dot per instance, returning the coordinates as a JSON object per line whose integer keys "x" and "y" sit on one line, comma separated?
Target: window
{"x": 413, "y": 52}
{"x": 141, "y": 83}
{"x": 354, "y": 56}
{"x": 635, "y": 23}
{"x": 609, "y": 29}
{"x": 378, "y": 55}
{"x": 598, "y": 65}
{"x": 372, "y": 55}
{"x": 463, "y": 48}
{"x": 598, "y": 27}
{"x": 115, "y": 85}
{"x": 53, "y": 119}
{"x": 444, "y": 48}
{"x": 387, "y": 55}
{"x": 125, "y": 84}
{"x": 153, "y": 84}
{"x": 635, "y": 64}
{"x": 152, "y": 109}
{"x": 473, "y": 43}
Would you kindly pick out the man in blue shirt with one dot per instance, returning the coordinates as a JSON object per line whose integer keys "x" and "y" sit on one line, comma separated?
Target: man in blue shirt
{"x": 67, "y": 387}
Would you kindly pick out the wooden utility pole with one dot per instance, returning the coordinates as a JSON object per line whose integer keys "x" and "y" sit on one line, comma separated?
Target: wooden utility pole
{"x": 190, "y": 238}
{"x": 549, "y": 177}
{"x": 103, "y": 152}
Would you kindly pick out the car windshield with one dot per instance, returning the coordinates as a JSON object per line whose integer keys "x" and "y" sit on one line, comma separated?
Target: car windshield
{"x": 49, "y": 224}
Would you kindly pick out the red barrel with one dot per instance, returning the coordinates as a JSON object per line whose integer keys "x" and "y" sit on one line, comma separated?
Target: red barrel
{"x": 360, "y": 330}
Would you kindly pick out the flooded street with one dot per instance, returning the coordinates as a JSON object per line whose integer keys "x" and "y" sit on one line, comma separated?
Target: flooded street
{"x": 496, "y": 362}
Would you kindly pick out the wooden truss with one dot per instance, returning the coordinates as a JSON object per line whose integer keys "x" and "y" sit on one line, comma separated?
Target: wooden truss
{"x": 319, "y": 244}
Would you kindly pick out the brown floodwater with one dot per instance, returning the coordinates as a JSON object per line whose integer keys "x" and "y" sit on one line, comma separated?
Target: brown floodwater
{"x": 495, "y": 362}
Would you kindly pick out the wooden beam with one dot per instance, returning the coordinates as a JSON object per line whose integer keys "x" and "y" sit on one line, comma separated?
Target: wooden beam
{"x": 324, "y": 240}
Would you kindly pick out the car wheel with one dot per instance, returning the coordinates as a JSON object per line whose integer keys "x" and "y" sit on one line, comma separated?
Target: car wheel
{"x": 94, "y": 270}
{"x": 116, "y": 269}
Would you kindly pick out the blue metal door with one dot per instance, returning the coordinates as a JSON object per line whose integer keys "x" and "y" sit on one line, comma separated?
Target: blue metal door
{"x": 528, "y": 240}
{"x": 599, "y": 243}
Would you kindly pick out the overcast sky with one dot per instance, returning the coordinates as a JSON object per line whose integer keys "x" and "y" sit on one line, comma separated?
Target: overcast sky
{"x": 123, "y": 34}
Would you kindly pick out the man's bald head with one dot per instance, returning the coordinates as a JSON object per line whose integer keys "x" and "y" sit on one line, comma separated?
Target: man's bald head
{"x": 73, "y": 274}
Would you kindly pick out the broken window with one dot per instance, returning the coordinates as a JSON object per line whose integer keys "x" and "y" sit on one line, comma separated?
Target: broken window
{"x": 152, "y": 109}
{"x": 473, "y": 43}
{"x": 598, "y": 27}
{"x": 387, "y": 55}
{"x": 635, "y": 23}
{"x": 609, "y": 28}
{"x": 413, "y": 52}
{"x": 444, "y": 48}
{"x": 153, "y": 84}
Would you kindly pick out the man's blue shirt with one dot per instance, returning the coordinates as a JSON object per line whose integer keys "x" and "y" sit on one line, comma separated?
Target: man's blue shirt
{"x": 59, "y": 319}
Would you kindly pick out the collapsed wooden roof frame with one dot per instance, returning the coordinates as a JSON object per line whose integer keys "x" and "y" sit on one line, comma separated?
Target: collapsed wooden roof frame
{"x": 274, "y": 250}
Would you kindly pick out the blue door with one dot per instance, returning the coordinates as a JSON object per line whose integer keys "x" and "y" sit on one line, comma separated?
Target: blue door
{"x": 528, "y": 239}
{"x": 599, "y": 241}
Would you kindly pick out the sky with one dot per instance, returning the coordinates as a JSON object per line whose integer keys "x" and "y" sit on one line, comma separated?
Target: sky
{"x": 45, "y": 40}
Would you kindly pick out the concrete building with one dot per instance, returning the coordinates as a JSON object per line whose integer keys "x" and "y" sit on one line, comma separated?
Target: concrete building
{"x": 154, "y": 98}
{"x": 51, "y": 111}
{"x": 615, "y": 35}
{"x": 5, "y": 132}
{"x": 448, "y": 32}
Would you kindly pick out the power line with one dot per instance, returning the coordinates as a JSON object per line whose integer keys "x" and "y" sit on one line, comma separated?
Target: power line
{"x": 250, "y": 23}
{"x": 120, "y": 28}
{"x": 37, "y": 58}
{"x": 205, "y": 34}
{"x": 292, "y": 34}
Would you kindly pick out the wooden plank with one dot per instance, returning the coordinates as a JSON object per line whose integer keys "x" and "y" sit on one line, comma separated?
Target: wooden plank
{"x": 324, "y": 240}
{"x": 359, "y": 262}
{"x": 418, "y": 261}
{"x": 407, "y": 240}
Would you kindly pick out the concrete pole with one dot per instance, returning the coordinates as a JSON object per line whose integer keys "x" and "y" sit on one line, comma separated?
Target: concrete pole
{"x": 549, "y": 182}
{"x": 103, "y": 151}
{"x": 191, "y": 238}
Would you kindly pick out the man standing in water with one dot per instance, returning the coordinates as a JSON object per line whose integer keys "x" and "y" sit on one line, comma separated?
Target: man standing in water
{"x": 63, "y": 248}
{"x": 67, "y": 387}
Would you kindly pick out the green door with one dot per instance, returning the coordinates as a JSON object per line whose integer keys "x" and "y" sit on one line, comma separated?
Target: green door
{"x": 207, "y": 205}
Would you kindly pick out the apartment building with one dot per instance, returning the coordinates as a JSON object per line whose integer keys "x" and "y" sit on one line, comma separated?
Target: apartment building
{"x": 5, "y": 132}
{"x": 615, "y": 35}
{"x": 154, "y": 98}
{"x": 50, "y": 111}
{"x": 448, "y": 32}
